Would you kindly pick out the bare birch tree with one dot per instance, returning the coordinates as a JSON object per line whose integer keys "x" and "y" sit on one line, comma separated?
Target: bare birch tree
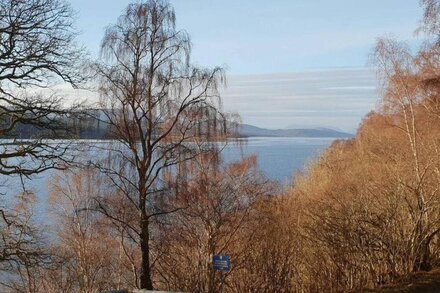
{"x": 157, "y": 105}
{"x": 220, "y": 219}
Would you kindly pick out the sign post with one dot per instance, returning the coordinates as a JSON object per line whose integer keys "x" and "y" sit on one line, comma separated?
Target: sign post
{"x": 221, "y": 263}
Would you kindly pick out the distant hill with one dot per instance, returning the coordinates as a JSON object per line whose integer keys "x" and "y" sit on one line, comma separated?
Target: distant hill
{"x": 247, "y": 130}
{"x": 89, "y": 127}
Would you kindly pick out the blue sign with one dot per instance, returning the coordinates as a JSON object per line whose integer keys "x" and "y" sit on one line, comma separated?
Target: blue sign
{"x": 221, "y": 263}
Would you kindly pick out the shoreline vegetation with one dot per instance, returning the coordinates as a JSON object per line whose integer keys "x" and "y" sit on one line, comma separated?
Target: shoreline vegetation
{"x": 153, "y": 209}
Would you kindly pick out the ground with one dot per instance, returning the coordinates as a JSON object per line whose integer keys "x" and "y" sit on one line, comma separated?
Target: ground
{"x": 423, "y": 282}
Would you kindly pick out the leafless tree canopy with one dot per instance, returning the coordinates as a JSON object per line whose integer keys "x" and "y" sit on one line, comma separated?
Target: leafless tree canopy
{"x": 37, "y": 48}
{"x": 160, "y": 201}
{"x": 431, "y": 21}
{"x": 37, "y": 42}
{"x": 161, "y": 110}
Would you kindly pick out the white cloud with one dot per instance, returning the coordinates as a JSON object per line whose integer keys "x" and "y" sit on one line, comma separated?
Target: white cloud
{"x": 333, "y": 98}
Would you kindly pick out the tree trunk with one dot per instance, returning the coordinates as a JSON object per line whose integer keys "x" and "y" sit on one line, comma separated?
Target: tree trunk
{"x": 423, "y": 261}
{"x": 145, "y": 278}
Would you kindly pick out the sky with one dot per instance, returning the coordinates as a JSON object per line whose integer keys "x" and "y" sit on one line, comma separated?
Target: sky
{"x": 289, "y": 62}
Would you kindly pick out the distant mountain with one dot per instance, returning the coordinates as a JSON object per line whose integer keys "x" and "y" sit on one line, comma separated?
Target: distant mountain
{"x": 247, "y": 130}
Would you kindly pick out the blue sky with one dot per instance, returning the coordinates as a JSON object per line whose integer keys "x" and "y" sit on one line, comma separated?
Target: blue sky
{"x": 260, "y": 36}
{"x": 265, "y": 38}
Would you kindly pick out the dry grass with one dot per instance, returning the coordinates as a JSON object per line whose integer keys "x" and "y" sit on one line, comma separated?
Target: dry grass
{"x": 423, "y": 282}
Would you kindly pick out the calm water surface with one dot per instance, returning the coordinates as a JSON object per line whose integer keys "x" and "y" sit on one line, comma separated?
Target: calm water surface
{"x": 278, "y": 158}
